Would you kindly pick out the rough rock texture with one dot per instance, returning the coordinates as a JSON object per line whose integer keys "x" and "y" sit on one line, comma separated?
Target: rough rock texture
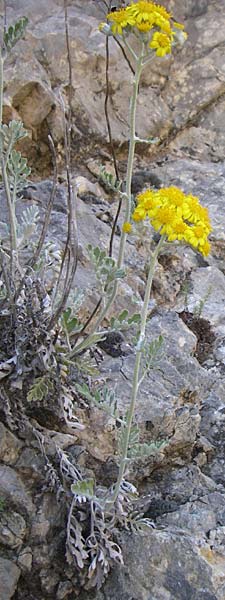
{"x": 181, "y": 100}
{"x": 183, "y": 485}
{"x": 9, "y": 575}
{"x": 167, "y": 565}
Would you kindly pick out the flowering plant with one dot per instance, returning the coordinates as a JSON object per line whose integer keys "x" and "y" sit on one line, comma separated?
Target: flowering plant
{"x": 147, "y": 31}
{"x": 148, "y": 20}
{"x": 175, "y": 215}
{"x": 94, "y": 512}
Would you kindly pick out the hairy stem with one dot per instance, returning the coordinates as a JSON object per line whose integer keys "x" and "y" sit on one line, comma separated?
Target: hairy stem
{"x": 136, "y": 375}
{"x": 44, "y": 230}
{"x": 71, "y": 246}
{"x": 12, "y": 219}
{"x": 11, "y": 198}
{"x": 127, "y": 195}
{"x": 133, "y": 108}
{"x": 1, "y": 86}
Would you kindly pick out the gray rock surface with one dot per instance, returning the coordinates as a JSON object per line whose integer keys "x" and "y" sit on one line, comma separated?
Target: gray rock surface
{"x": 10, "y": 446}
{"x": 13, "y": 491}
{"x": 182, "y": 486}
{"x": 177, "y": 104}
{"x": 9, "y": 576}
{"x": 12, "y": 529}
{"x": 167, "y": 565}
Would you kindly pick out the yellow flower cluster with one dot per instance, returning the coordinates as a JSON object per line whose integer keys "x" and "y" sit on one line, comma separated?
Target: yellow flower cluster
{"x": 127, "y": 227}
{"x": 146, "y": 16}
{"x": 176, "y": 215}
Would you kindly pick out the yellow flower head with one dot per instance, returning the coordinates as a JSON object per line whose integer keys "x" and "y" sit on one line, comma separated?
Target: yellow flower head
{"x": 139, "y": 214}
{"x": 178, "y": 231}
{"x": 165, "y": 215}
{"x": 205, "y": 248}
{"x": 178, "y": 216}
{"x": 127, "y": 227}
{"x": 146, "y": 17}
{"x": 163, "y": 24}
{"x": 120, "y": 19}
{"x": 162, "y": 43}
{"x": 143, "y": 10}
{"x": 147, "y": 199}
{"x": 145, "y": 26}
{"x": 162, "y": 11}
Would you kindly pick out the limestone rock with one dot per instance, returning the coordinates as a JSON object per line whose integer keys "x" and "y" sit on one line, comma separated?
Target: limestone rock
{"x": 208, "y": 287}
{"x": 24, "y": 560}
{"x": 12, "y": 490}
{"x": 173, "y": 96}
{"x": 10, "y": 446}
{"x": 168, "y": 405}
{"x": 166, "y": 565}
{"x": 65, "y": 588}
{"x": 12, "y": 529}
{"x": 85, "y": 188}
{"x": 182, "y": 486}
{"x": 9, "y": 576}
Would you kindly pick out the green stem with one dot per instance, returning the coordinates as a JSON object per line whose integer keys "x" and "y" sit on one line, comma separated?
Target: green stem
{"x": 135, "y": 382}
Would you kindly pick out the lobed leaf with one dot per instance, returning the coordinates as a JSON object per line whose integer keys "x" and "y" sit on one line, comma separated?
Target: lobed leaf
{"x": 14, "y": 33}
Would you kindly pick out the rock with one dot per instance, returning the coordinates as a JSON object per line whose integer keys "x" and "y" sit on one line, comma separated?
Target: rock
{"x": 13, "y": 529}
{"x": 182, "y": 486}
{"x": 41, "y": 558}
{"x": 166, "y": 565}
{"x": 33, "y": 103}
{"x": 172, "y": 94}
{"x": 64, "y": 589}
{"x": 85, "y": 187}
{"x": 9, "y": 577}
{"x": 161, "y": 407}
{"x": 49, "y": 580}
{"x": 24, "y": 560}
{"x": 30, "y": 465}
{"x": 48, "y": 517}
{"x": 197, "y": 517}
{"x": 13, "y": 490}
{"x": 193, "y": 9}
{"x": 40, "y": 529}
{"x": 213, "y": 426}
{"x": 60, "y": 440}
{"x": 208, "y": 293}
{"x": 10, "y": 446}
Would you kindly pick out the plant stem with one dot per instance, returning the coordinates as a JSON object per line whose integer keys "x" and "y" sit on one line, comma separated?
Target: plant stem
{"x": 132, "y": 142}
{"x": 135, "y": 382}
{"x": 12, "y": 219}
{"x": 1, "y": 86}
{"x": 133, "y": 108}
{"x": 9, "y": 198}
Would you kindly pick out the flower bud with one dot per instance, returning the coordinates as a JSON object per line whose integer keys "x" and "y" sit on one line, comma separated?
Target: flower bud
{"x": 105, "y": 28}
{"x": 180, "y": 36}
